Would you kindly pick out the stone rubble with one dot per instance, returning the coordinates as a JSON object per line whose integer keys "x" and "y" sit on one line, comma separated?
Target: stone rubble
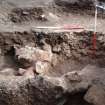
{"x": 39, "y": 59}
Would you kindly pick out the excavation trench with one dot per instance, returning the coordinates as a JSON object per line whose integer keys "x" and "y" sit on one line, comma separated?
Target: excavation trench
{"x": 63, "y": 82}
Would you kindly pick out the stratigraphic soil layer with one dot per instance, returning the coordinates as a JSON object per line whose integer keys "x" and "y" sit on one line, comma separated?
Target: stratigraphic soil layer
{"x": 77, "y": 72}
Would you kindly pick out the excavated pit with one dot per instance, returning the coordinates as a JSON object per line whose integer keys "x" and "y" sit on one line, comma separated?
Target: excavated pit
{"x": 47, "y": 67}
{"x": 71, "y": 49}
{"x": 72, "y": 53}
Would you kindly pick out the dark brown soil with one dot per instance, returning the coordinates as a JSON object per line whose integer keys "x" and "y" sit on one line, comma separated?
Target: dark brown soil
{"x": 20, "y": 15}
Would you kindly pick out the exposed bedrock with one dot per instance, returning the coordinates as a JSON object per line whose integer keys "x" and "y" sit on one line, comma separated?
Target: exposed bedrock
{"x": 49, "y": 68}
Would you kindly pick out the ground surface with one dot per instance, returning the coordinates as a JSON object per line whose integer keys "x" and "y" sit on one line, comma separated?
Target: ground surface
{"x": 55, "y": 18}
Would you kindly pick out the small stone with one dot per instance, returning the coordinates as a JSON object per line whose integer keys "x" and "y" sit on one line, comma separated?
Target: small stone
{"x": 42, "y": 67}
{"x": 66, "y": 50}
{"x": 73, "y": 77}
{"x": 57, "y": 48}
{"x": 25, "y": 13}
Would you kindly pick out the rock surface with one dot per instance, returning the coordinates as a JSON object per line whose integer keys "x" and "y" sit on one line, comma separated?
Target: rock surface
{"x": 36, "y": 58}
{"x": 33, "y": 54}
{"x": 21, "y": 90}
{"x": 96, "y": 95}
{"x": 49, "y": 90}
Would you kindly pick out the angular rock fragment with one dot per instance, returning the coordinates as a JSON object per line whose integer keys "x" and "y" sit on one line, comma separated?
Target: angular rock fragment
{"x": 42, "y": 67}
{"x": 74, "y": 82}
{"x": 96, "y": 95}
{"x": 33, "y": 54}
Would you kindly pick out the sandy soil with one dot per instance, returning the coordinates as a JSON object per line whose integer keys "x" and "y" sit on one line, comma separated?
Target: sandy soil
{"x": 54, "y": 17}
